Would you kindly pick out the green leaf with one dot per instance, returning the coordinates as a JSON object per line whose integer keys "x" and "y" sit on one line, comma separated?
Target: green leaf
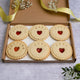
{"x": 67, "y": 69}
{"x": 71, "y": 68}
{"x": 78, "y": 74}
{"x": 63, "y": 69}
{"x": 62, "y": 72}
{"x": 72, "y": 74}
{"x": 76, "y": 78}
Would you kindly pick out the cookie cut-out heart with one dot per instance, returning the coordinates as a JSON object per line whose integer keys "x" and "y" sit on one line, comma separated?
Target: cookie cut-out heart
{"x": 60, "y": 32}
{"x": 39, "y": 32}
{"x": 18, "y": 32}
{"x": 16, "y": 49}
{"x": 61, "y": 50}
{"x": 39, "y": 50}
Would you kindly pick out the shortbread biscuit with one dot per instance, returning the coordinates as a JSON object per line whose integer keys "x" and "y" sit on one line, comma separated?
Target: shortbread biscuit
{"x": 16, "y": 50}
{"x": 61, "y": 50}
{"x": 18, "y": 32}
{"x": 39, "y": 32}
{"x": 39, "y": 50}
{"x": 60, "y": 32}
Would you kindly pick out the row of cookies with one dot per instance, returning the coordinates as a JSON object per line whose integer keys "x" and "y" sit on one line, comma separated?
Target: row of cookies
{"x": 39, "y": 32}
{"x": 39, "y": 50}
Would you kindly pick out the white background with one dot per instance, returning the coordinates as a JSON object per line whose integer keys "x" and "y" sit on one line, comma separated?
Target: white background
{"x": 37, "y": 71}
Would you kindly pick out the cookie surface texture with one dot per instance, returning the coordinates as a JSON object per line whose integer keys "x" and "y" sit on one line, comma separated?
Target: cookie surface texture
{"x": 39, "y": 50}
{"x": 16, "y": 50}
{"x": 18, "y": 32}
{"x": 61, "y": 50}
{"x": 39, "y": 32}
{"x": 60, "y": 32}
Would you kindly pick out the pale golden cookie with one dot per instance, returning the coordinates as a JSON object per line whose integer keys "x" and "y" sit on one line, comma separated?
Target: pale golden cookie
{"x": 18, "y": 32}
{"x": 61, "y": 50}
{"x": 39, "y": 50}
{"x": 60, "y": 32}
{"x": 16, "y": 50}
{"x": 39, "y": 32}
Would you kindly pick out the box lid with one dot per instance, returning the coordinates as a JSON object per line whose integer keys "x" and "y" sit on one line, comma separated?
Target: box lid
{"x": 36, "y": 14}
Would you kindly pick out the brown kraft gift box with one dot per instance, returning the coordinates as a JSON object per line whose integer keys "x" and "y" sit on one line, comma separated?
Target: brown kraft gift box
{"x": 37, "y": 15}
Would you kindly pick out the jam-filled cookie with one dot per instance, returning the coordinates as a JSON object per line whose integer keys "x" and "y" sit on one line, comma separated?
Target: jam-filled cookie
{"x": 16, "y": 50}
{"x": 39, "y": 50}
{"x": 18, "y": 32}
{"x": 39, "y": 32}
{"x": 60, "y": 32}
{"x": 61, "y": 50}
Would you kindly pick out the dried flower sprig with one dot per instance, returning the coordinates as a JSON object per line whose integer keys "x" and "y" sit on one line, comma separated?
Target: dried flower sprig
{"x": 53, "y": 4}
{"x": 28, "y": 4}
{"x": 14, "y": 4}
{"x": 23, "y": 4}
{"x": 70, "y": 73}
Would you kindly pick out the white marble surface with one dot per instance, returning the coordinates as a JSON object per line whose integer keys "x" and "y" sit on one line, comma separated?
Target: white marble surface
{"x": 37, "y": 71}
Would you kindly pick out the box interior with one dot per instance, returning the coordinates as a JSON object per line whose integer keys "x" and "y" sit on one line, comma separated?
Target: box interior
{"x": 28, "y": 41}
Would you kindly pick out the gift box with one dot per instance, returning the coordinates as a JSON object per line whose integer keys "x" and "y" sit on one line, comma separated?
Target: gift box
{"x": 37, "y": 15}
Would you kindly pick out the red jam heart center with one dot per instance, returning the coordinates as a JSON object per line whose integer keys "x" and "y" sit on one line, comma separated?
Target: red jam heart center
{"x": 60, "y": 32}
{"x": 18, "y": 32}
{"x": 39, "y": 50}
{"x": 39, "y": 32}
{"x": 61, "y": 50}
{"x": 16, "y": 48}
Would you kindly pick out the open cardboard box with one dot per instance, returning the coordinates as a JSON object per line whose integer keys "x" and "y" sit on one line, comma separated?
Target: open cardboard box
{"x": 37, "y": 15}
